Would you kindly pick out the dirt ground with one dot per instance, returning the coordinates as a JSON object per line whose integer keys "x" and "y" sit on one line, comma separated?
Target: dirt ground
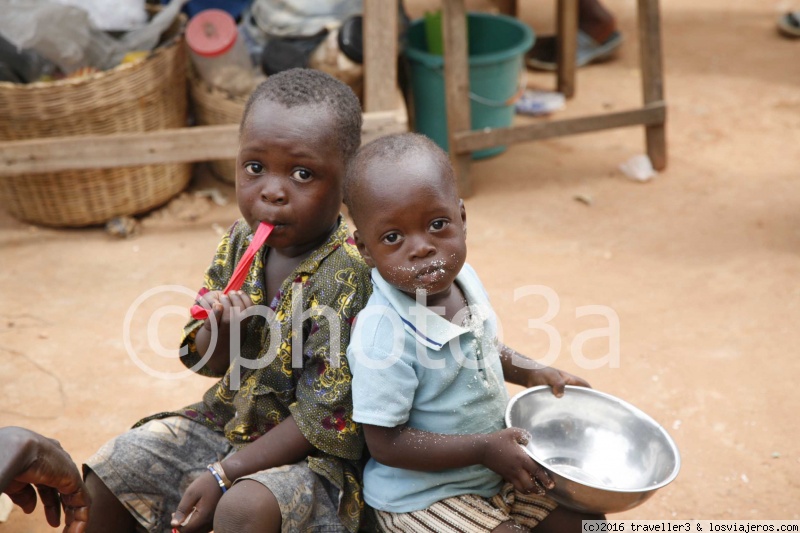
{"x": 701, "y": 265}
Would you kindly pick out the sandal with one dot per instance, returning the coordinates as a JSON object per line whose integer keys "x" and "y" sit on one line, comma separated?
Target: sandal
{"x": 543, "y": 54}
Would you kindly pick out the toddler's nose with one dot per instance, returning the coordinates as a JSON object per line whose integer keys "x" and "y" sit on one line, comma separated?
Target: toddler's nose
{"x": 422, "y": 248}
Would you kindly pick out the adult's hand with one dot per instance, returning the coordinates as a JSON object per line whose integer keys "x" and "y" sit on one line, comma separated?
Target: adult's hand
{"x": 28, "y": 459}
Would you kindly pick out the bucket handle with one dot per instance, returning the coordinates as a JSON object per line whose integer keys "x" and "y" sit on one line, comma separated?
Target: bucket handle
{"x": 511, "y": 100}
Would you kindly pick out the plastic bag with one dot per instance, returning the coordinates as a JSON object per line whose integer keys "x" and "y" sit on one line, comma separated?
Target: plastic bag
{"x": 638, "y": 168}
{"x": 119, "y": 15}
{"x": 301, "y": 18}
{"x": 66, "y": 36}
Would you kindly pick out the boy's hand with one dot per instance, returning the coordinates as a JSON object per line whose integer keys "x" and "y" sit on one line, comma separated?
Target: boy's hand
{"x": 197, "y": 505}
{"x": 221, "y": 306}
{"x": 504, "y": 454}
{"x": 557, "y": 379}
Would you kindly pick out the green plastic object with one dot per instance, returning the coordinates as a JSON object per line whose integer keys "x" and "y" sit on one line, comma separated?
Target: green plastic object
{"x": 433, "y": 32}
{"x": 497, "y": 45}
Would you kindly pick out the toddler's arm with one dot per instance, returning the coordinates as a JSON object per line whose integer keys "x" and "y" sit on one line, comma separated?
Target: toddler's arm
{"x": 526, "y": 372}
{"x": 413, "y": 449}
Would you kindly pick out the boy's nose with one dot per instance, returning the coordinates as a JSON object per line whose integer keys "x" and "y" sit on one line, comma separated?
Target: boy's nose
{"x": 273, "y": 193}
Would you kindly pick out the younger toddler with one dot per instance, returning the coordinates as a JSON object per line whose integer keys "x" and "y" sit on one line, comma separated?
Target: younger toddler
{"x": 428, "y": 370}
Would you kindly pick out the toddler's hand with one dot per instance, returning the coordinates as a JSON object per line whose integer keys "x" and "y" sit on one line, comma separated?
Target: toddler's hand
{"x": 557, "y": 379}
{"x": 222, "y": 306}
{"x": 504, "y": 455}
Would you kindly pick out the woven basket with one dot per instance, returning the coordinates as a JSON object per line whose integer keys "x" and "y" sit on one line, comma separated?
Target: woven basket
{"x": 214, "y": 107}
{"x": 135, "y": 97}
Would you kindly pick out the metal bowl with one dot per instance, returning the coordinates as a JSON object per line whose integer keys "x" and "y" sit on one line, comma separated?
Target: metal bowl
{"x": 604, "y": 455}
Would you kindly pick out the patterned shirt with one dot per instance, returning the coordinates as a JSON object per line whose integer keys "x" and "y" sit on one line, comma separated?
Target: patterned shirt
{"x": 314, "y": 390}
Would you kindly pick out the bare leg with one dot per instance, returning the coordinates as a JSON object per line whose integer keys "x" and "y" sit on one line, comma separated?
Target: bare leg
{"x": 593, "y": 19}
{"x": 108, "y": 513}
{"x": 563, "y": 520}
{"x": 248, "y": 507}
{"x": 596, "y": 20}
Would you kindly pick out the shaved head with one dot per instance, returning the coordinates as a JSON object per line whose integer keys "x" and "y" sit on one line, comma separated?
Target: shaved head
{"x": 374, "y": 162}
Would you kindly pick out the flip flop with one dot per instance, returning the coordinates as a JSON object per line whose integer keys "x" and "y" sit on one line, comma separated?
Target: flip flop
{"x": 789, "y": 24}
{"x": 543, "y": 54}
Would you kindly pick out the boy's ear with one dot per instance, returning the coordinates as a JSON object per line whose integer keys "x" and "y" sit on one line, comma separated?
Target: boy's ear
{"x": 463, "y": 215}
{"x": 362, "y": 249}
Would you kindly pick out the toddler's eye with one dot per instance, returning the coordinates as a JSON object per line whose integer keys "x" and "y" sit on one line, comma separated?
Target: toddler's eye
{"x": 439, "y": 224}
{"x": 301, "y": 174}
{"x": 254, "y": 169}
{"x": 391, "y": 238}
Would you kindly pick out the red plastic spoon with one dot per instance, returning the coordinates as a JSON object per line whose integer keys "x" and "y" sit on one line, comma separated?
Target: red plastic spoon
{"x": 242, "y": 268}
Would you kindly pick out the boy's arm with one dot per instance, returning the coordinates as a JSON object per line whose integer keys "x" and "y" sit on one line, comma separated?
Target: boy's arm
{"x": 282, "y": 445}
{"x": 520, "y": 370}
{"x": 221, "y": 309}
{"x": 414, "y": 449}
{"x": 196, "y": 339}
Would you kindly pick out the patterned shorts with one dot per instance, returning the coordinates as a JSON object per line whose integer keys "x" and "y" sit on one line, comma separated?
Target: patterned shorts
{"x": 470, "y": 513}
{"x": 149, "y": 468}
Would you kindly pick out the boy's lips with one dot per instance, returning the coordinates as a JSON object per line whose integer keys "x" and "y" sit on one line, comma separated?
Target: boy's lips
{"x": 275, "y": 224}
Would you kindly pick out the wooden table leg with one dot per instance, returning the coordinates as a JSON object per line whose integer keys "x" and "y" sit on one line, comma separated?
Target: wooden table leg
{"x": 380, "y": 55}
{"x": 507, "y": 7}
{"x": 456, "y": 86}
{"x": 652, "y": 77}
{"x": 566, "y": 45}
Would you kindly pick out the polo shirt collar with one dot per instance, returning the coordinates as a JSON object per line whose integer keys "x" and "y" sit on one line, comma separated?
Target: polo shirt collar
{"x": 428, "y": 328}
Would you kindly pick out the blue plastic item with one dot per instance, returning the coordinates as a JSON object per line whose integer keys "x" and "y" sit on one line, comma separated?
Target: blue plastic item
{"x": 234, "y": 7}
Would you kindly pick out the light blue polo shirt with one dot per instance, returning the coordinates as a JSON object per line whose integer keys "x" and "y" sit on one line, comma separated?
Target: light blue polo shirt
{"x": 412, "y": 366}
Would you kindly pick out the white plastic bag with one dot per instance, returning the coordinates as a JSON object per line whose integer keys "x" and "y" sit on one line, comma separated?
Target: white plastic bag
{"x": 638, "y": 168}
{"x": 301, "y": 18}
{"x": 66, "y": 36}
{"x": 116, "y": 15}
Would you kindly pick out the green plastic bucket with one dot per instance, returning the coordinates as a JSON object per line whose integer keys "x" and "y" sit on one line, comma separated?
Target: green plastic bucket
{"x": 497, "y": 46}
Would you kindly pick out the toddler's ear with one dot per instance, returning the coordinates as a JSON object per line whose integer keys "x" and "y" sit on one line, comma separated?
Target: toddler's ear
{"x": 362, "y": 249}
{"x": 463, "y": 211}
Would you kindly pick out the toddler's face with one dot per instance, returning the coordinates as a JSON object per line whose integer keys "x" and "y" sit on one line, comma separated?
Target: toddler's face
{"x": 289, "y": 173}
{"x": 413, "y": 226}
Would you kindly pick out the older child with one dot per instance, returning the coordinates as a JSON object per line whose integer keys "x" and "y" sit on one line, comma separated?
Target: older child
{"x": 272, "y": 445}
{"x": 428, "y": 370}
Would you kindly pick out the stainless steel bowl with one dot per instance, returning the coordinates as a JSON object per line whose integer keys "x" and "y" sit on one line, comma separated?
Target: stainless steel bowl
{"x": 604, "y": 455}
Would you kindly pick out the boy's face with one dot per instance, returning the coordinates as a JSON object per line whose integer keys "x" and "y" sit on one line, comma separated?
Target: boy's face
{"x": 412, "y": 226}
{"x": 289, "y": 173}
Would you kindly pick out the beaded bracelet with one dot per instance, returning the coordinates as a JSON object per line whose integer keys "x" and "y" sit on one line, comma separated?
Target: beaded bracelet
{"x": 218, "y": 478}
{"x": 218, "y": 467}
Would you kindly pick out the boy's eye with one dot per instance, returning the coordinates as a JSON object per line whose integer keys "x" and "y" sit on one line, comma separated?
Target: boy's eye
{"x": 439, "y": 224}
{"x": 254, "y": 169}
{"x": 391, "y": 238}
{"x": 301, "y": 174}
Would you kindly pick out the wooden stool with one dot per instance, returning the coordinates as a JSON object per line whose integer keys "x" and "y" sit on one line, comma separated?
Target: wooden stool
{"x": 380, "y": 79}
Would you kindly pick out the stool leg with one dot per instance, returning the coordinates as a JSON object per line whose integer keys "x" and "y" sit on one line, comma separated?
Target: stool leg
{"x": 507, "y": 7}
{"x": 652, "y": 77}
{"x": 456, "y": 86}
{"x": 566, "y": 43}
